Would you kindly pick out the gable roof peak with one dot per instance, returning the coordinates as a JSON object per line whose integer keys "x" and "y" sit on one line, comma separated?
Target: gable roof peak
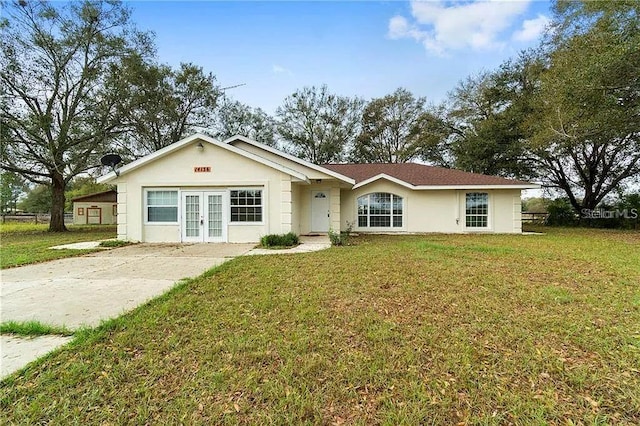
{"x": 140, "y": 162}
{"x": 289, "y": 157}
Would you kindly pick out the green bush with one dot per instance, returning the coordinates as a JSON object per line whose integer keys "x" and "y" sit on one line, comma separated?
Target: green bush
{"x": 340, "y": 238}
{"x": 280, "y": 240}
{"x": 621, "y": 214}
{"x": 561, "y": 213}
{"x": 114, "y": 243}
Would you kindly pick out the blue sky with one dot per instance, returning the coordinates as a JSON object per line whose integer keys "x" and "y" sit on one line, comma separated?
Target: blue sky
{"x": 362, "y": 48}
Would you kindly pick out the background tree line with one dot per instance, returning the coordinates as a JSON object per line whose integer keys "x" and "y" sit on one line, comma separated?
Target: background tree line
{"x": 80, "y": 80}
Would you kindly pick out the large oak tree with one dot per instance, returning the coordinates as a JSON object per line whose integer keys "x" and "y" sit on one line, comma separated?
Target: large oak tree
{"x": 58, "y": 114}
{"x": 587, "y": 138}
{"x": 488, "y": 116}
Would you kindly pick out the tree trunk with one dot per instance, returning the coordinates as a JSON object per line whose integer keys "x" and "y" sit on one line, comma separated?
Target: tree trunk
{"x": 57, "y": 203}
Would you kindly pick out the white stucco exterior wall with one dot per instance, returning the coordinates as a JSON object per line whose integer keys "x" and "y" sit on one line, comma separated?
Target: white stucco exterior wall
{"x": 228, "y": 171}
{"x": 296, "y": 208}
{"x": 436, "y": 210}
{"x": 122, "y": 211}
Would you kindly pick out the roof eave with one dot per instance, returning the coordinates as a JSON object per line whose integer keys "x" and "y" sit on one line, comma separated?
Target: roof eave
{"x": 111, "y": 176}
{"x": 494, "y": 186}
{"x": 290, "y": 157}
{"x": 441, "y": 187}
{"x": 81, "y": 197}
{"x": 386, "y": 177}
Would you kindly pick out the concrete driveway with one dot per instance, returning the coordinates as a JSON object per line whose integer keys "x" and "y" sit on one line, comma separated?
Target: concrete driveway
{"x": 82, "y": 291}
{"x": 86, "y": 290}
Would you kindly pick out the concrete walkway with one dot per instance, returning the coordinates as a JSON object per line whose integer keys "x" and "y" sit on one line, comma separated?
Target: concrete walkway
{"x": 83, "y": 291}
{"x": 19, "y": 351}
{"x": 307, "y": 244}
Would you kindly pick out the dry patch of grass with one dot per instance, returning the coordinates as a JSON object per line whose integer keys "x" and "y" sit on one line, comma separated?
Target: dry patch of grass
{"x": 433, "y": 329}
{"x": 22, "y": 244}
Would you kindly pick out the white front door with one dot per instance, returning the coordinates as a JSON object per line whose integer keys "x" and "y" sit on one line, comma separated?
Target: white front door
{"x": 320, "y": 211}
{"x": 204, "y": 216}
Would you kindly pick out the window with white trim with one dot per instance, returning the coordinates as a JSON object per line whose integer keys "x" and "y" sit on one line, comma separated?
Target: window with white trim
{"x": 380, "y": 210}
{"x": 162, "y": 206}
{"x": 246, "y": 205}
{"x": 477, "y": 210}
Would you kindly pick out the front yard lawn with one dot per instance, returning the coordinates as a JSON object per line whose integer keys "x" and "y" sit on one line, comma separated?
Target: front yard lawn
{"x": 431, "y": 329}
{"x": 22, "y": 244}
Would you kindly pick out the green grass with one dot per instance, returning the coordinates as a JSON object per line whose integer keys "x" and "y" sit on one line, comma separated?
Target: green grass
{"x": 22, "y": 227}
{"x": 22, "y": 244}
{"x": 433, "y": 329}
{"x": 32, "y": 328}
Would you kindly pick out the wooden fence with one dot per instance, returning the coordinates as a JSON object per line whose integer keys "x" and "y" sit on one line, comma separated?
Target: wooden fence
{"x": 33, "y": 218}
{"x": 534, "y": 217}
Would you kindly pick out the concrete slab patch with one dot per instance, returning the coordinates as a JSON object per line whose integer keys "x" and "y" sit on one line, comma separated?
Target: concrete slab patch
{"x": 78, "y": 246}
{"x": 17, "y": 352}
{"x": 307, "y": 244}
{"x": 74, "y": 302}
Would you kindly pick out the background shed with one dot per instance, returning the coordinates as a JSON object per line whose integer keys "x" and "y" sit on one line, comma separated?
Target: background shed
{"x": 100, "y": 208}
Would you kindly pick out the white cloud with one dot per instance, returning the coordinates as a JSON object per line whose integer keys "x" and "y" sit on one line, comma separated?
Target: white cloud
{"x": 532, "y": 29}
{"x": 398, "y": 27}
{"x": 444, "y": 26}
{"x": 278, "y": 69}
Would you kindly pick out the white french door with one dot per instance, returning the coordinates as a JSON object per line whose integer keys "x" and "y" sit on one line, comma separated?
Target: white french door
{"x": 204, "y": 217}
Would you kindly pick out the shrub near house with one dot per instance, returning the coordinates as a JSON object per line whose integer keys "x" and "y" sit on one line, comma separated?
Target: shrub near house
{"x": 280, "y": 240}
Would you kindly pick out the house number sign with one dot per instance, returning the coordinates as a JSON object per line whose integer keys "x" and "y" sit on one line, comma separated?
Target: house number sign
{"x": 202, "y": 169}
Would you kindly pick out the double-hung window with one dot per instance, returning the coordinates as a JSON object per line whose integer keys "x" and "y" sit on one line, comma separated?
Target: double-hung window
{"x": 380, "y": 210}
{"x": 477, "y": 210}
{"x": 162, "y": 206}
{"x": 246, "y": 205}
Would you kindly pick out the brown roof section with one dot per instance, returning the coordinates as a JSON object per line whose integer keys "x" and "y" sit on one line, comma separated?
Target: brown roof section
{"x": 99, "y": 197}
{"x": 419, "y": 174}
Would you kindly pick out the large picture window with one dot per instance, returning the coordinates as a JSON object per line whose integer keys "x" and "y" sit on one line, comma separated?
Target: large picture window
{"x": 246, "y": 205}
{"x": 477, "y": 210}
{"x": 380, "y": 210}
{"x": 162, "y": 206}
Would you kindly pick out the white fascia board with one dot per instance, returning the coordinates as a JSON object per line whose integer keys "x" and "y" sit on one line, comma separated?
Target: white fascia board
{"x": 440, "y": 187}
{"x": 199, "y": 136}
{"x": 295, "y": 159}
{"x": 386, "y": 177}
{"x": 106, "y": 178}
{"x": 151, "y": 157}
{"x": 437, "y": 187}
